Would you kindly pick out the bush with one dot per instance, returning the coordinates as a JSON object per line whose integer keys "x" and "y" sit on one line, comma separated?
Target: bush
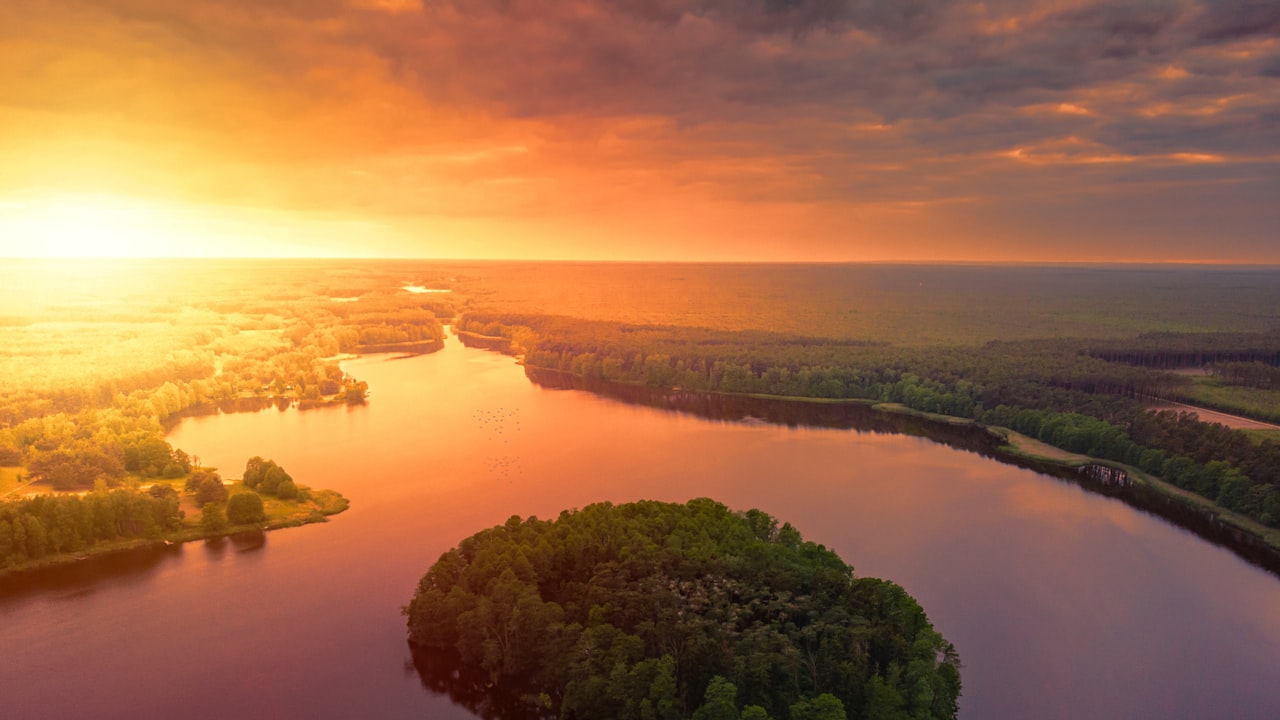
{"x": 287, "y": 490}
{"x": 212, "y": 518}
{"x": 197, "y": 477}
{"x": 211, "y": 490}
{"x": 244, "y": 508}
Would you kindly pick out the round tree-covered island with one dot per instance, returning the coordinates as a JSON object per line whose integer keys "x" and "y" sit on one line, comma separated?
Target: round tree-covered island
{"x": 663, "y": 611}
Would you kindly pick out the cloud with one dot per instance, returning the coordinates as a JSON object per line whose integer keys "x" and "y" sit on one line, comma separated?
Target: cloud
{"x": 400, "y": 107}
{"x": 1221, "y": 20}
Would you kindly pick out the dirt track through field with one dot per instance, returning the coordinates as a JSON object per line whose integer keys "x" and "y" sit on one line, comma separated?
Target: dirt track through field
{"x": 1232, "y": 421}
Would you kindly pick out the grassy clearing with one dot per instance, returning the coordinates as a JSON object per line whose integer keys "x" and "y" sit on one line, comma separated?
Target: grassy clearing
{"x": 1025, "y": 446}
{"x": 9, "y": 479}
{"x": 1253, "y": 402}
{"x": 904, "y": 410}
{"x": 312, "y": 506}
{"x": 1261, "y": 435}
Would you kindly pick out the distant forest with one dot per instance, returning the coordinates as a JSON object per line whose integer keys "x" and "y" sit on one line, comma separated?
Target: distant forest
{"x": 1088, "y": 396}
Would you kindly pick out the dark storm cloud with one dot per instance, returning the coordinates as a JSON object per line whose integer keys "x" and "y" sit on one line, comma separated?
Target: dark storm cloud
{"x": 1232, "y": 19}
{"x": 759, "y": 61}
{"x": 709, "y": 60}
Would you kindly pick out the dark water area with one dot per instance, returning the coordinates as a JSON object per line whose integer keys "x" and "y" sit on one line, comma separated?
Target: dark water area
{"x": 1063, "y": 603}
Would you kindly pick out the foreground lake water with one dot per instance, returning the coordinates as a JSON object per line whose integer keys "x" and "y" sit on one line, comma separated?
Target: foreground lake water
{"x": 1063, "y": 604}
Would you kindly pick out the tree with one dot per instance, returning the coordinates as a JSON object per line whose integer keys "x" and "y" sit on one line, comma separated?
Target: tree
{"x": 272, "y": 478}
{"x": 6, "y": 541}
{"x": 355, "y": 393}
{"x": 198, "y": 477}
{"x": 287, "y": 490}
{"x": 824, "y": 707}
{"x": 244, "y": 508}
{"x": 884, "y": 702}
{"x": 211, "y": 490}
{"x": 212, "y": 518}
{"x": 719, "y": 701}
{"x": 162, "y": 491}
{"x": 37, "y": 536}
{"x": 10, "y": 456}
{"x": 254, "y": 470}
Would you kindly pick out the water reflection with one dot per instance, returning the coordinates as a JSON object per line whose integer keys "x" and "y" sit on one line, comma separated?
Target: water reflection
{"x": 93, "y": 575}
{"x": 245, "y": 542}
{"x": 442, "y": 673}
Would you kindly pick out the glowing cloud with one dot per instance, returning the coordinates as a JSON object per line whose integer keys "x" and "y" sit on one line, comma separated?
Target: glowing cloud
{"x": 692, "y": 129}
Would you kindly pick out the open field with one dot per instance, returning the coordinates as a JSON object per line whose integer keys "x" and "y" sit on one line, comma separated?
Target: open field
{"x": 1030, "y": 447}
{"x": 9, "y": 480}
{"x": 1254, "y": 402}
{"x": 1234, "y": 422}
{"x": 1259, "y": 436}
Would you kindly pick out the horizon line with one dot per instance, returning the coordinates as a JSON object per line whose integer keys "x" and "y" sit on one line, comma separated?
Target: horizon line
{"x": 651, "y": 261}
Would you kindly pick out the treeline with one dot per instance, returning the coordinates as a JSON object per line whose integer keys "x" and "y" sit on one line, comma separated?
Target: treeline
{"x": 1254, "y": 374}
{"x": 42, "y": 526}
{"x": 1172, "y": 351}
{"x": 1063, "y": 392}
{"x": 1210, "y": 460}
{"x": 1025, "y": 372}
{"x": 23, "y": 399}
{"x": 657, "y": 611}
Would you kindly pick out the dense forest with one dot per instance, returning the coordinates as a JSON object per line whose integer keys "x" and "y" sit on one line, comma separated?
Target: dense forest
{"x": 53, "y": 524}
{"x": 663, "y": 611}
{"x": 1085, "y": 396}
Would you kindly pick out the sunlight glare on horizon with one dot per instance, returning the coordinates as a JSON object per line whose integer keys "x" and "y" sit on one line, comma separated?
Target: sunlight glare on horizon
{"x": 111, "y": 226}
{"x": 71, "y": 226}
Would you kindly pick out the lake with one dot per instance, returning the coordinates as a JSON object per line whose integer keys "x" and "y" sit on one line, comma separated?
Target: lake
{"x": 1062, "y": 603}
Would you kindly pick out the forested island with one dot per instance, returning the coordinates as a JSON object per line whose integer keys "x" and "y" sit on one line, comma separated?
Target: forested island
{"x": 661, "y": 611}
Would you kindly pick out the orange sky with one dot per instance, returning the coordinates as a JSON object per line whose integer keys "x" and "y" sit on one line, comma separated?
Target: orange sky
{"x": 643, "y": 129}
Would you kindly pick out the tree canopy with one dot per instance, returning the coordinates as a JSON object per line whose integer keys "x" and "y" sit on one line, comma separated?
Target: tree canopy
{"x": 665, "y": 611}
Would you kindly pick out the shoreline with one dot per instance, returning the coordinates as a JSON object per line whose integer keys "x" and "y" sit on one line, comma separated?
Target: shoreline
{"x": 1248, "y": 539}
{"x": 316, "y": 514}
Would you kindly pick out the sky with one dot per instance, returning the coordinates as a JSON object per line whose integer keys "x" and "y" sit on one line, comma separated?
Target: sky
{"x": 809, "y": 130}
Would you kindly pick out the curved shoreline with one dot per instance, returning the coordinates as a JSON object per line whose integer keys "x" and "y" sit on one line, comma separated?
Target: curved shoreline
{"x": 1251, "y": 541}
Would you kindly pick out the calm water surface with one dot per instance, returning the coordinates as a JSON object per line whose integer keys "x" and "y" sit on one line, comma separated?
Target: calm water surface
{"x": 1062, "y": 604}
